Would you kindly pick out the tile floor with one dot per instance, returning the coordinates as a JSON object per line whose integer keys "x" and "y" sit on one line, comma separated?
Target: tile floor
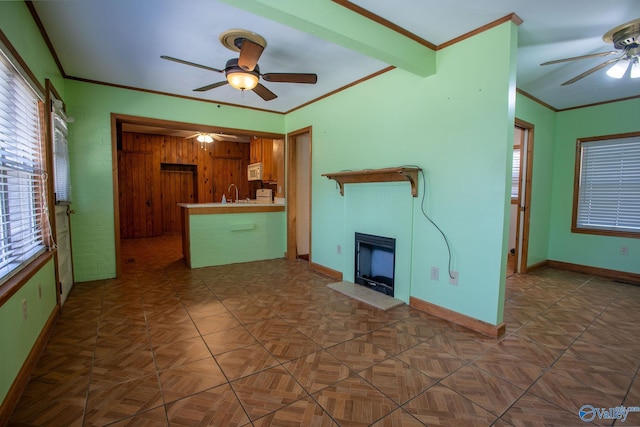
{"x": 267, "y": 343}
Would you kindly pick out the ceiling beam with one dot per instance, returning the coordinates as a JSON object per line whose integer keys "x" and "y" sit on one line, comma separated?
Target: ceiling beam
{"x": 339, "y": 25}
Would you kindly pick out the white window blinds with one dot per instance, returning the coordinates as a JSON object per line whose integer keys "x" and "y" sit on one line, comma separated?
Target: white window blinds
{"x": 609, "y": 187}
{"x": 515, "y": 174}
{"x": 22, "y": 194}
{"x": 62, "y": 182}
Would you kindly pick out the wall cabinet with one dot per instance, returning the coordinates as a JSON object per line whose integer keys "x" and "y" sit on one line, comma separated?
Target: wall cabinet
{"x": 264, "y": 150}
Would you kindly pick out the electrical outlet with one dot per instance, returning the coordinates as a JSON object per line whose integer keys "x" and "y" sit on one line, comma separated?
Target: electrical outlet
{"x": 435, "y": 273}
{"x": 24, "y": 310}
{"x": 453, "y": 278}
{"x": 624, "y": 250}
{"x": 39, "y": 291}
{"x": 339, "y": 249}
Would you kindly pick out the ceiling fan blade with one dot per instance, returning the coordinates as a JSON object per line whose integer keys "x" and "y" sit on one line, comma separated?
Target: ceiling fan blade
{"x": 591, "y": 71}
{"x": 223, "y": 136}
{"x": 211, "y": 86}
{"x": 574, "y": 58}
{"x": 193, "y": 64}
{"x": 264, "y": 93}
{"x": 290, "y": 78}
{"x": 249, "y": 54}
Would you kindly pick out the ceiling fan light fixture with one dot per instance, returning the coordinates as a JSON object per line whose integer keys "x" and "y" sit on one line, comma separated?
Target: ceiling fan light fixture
{"x": 618, "y": 69}
{"x": 242, "y": 80}
{"x": 205, "y": 138}
{"x": 635, "y": 69}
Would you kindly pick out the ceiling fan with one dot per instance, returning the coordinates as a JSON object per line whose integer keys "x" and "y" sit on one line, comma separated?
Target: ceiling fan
{"x": 625, "y": 37}
{"x": 209, "y": 137}
{"x": 243, "y": 73}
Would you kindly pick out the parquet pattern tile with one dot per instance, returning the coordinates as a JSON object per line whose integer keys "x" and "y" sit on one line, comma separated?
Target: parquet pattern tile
{"x": 302, "y": 413}
{"x": 269, "y": 344}
{"x": 488, "y": 391}
{"x": 354, "y": 402}
{"x": 441, "y": 406}
{"x": 267, "y": 391}
{"x": 317, "y": 370}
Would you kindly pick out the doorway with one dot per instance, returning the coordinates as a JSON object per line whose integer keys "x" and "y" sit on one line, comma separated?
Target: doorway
{"x": 299, "y": 194}
{"x": 520, "y": 198}
{"x": 179, "y": 185}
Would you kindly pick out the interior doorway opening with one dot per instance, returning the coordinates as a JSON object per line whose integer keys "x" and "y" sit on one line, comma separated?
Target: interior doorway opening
{"x": 299, "y": 194}
{"x": 520, "y": 198}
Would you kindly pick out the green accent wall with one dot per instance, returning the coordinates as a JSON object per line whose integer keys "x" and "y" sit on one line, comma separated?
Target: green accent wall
{"x": 587, "y": 249}
{"x": 458, "y": 126}
{"x": 218, "y": 239}
{"x": 17, "y": 336}
{"x": 18, "y": 26}
{"x": 544, "y": 126}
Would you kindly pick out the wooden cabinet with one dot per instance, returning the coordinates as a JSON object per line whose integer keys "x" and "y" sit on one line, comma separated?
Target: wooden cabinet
{"x": 264, "y": 150}
{"x": 255, "y": 151}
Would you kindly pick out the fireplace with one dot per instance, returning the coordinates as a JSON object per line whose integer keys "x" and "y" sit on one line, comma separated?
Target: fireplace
{"x": 375, "y": 262}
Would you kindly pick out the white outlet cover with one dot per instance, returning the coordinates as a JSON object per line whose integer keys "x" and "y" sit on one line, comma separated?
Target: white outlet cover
{"x": 453, "y": 278}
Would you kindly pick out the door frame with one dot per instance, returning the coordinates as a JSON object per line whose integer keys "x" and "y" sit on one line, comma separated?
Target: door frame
{"x": 291, "y": 191}
{"x": 524, "y": 210}
{"x": 117, "y": 120}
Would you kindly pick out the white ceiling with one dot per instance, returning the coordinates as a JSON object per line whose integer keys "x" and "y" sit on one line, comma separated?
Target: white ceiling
{"x": 120, "y": 42}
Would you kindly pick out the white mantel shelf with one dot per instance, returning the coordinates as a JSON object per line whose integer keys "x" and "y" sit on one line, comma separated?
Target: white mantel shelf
{"x": 377, "y": 175}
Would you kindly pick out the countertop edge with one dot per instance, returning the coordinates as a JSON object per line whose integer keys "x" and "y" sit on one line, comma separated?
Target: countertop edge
{"x": 204, "y": 209}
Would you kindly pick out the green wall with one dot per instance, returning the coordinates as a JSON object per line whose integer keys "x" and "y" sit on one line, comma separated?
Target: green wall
{"x": 17, "y": 336}
{"x": 18, "y": 26}
{"x": 458, "y": 126}
{"x": 218, "y": 239}
{"x": 91, "y": 158}
{"x": 544, "y": 125}
{"x": 587, "y": 249}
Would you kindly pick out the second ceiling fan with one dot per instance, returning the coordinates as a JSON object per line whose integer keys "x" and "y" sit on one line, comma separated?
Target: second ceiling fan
{"x": 243, "y": 73}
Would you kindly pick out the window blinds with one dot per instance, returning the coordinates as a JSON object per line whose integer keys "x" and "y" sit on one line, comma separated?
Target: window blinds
{"x": 609, "y": 188}
{"x": 62, "y": 183}
{"x": 515, "y": 174}
{"x": 22, "y": 196}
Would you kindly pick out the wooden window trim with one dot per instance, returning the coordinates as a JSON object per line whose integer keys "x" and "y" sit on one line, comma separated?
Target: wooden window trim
{"x": 576, "y": 189}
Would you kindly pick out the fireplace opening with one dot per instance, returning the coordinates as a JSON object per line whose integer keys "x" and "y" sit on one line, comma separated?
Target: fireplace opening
{"x": 375, "y": 262}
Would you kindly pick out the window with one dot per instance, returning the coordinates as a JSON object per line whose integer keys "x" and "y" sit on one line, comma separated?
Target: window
{"x": 62, "y": 184}
{"x": 607, "y": 186}
{"x": 515, "y": 174}
{"x": 22, "y": 186}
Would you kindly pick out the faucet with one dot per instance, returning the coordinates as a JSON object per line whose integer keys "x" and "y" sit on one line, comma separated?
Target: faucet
{"x": 229, "y": 189}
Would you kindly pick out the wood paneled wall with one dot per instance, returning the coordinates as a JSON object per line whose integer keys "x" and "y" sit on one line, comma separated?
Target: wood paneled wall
{"x": 216, "y": 165}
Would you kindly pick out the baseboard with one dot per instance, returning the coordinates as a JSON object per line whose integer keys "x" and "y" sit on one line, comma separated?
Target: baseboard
{"x": 492, "y": 331}
{"x": 334, "y": 274}
{"x": 537, "y": 266}
{"x": 21, "y": 380}
{"x": 621, "y": 276}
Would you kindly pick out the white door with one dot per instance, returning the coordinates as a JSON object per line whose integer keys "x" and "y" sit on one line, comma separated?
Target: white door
{"x": 65, "y": 260}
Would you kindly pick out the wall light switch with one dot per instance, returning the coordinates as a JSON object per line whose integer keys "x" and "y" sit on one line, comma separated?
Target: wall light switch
{"x": 339, "y": 249}
{"x": 435, "y": 273}
{"x": 624, "y": 250}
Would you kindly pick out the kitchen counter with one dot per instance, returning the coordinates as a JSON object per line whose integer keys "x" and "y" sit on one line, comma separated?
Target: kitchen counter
{"x": 228, "y": 233}
{"x": 223, "y": 208}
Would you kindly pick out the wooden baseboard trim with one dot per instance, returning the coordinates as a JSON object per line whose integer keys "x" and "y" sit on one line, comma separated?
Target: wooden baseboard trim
{"x": 537, "y": 266}
{"x": 621, "y": 276}
{"x": 492, "y": 331}
{"x": 21, "y": 380}
{"x": 334, "y": 274}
